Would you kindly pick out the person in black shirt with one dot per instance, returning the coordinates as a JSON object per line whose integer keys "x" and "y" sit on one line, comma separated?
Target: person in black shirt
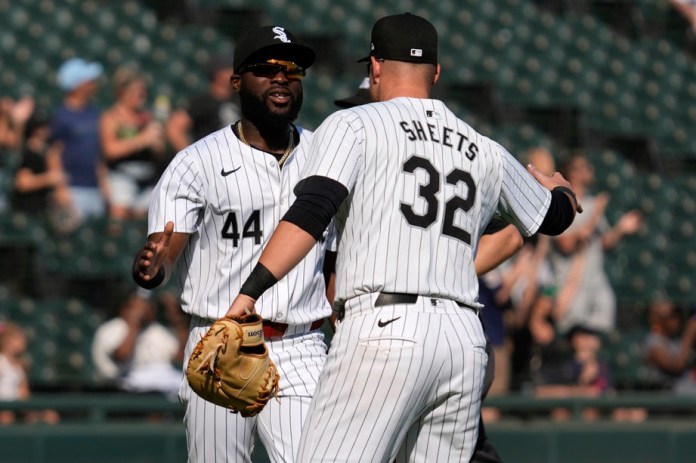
{"x": 39, "y": 172}
{"x": 207, "y": 112}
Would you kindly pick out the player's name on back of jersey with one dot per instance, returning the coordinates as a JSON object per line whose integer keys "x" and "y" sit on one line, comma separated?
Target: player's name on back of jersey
{"x": 443, "y": 135}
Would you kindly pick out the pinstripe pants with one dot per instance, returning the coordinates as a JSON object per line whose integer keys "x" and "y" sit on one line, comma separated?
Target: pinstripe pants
{"x": 215, "y": 435}
{"x": 408, "y": 390}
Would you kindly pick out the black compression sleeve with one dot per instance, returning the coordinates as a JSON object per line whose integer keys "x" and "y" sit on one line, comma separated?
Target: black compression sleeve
{"x": 318, "y": 199}
{"x": 495, "y": 225}
{"x": 259, "y": 280}
{"x": 559, "y": 216}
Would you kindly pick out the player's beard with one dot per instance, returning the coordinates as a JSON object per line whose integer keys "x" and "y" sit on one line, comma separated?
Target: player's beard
{"x": 255, "y": 109}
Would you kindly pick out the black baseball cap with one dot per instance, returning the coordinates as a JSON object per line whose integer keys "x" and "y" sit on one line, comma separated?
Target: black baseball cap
{"x": 404, "y": 37}
{"x": 271, "y": 42}
{"x": 361, "y": 97}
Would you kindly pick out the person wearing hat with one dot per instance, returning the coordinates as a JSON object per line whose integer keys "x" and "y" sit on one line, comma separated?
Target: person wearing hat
{"x": 411, "y": 187}
{"x": 76, "y": 125}
{"x": 210, "y": 216}
{"x": 360, "y": 97}
{"x": 207, "y": 112}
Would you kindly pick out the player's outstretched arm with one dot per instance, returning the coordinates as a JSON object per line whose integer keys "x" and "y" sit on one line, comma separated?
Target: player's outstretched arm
{"x": 153, "y": 262}
{"x": 496, "y": 248}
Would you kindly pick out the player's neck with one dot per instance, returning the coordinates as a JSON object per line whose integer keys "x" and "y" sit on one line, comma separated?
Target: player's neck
{"x": 269, "y": 139}
{"x": 402, "y": 89}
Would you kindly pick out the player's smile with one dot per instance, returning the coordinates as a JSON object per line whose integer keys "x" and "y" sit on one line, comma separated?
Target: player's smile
{"x": 280, "y": 97}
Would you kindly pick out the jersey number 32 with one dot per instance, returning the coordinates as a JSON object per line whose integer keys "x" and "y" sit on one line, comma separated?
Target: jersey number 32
{"x": 429, "y": 191}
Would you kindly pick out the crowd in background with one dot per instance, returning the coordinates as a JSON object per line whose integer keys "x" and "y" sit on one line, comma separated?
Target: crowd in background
{"x": 548, "y": 310}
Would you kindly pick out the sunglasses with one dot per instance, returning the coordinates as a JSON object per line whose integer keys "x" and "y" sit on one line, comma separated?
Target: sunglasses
{"x": 273, "y": 66}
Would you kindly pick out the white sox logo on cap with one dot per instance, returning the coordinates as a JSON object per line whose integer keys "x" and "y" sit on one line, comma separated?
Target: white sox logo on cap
{"x": 280, "y": 34}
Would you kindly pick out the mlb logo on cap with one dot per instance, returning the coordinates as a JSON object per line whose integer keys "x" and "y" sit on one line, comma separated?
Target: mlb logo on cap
{"x": 404, "y": 37}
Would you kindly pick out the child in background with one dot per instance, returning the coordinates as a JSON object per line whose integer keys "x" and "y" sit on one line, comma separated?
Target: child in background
{"x": 14, "y": 384}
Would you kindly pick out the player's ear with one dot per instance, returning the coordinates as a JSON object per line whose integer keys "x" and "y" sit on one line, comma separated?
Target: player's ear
{"x": 436, "y": 77}
{"x": 235, "y": 82}
{"x": 376, "y": 68}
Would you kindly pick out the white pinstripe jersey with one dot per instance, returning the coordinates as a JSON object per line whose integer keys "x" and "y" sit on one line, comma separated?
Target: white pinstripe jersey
{"x": 230, "y": 197}
{"x": 422, "y": 187}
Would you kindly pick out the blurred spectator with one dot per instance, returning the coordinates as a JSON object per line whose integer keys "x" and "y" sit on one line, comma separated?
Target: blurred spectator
{"x": 591, "y": 302}
{"x": 132, "y": 144}
{"x": 670, "y": 348}
{"x": 76, "y": 124}
{"x": 138, "y": 352}
{"x": 523, "y": 281}
{"x": 582, "y": 374}
{"x": 14, "y": 383}
{"x": 360, "y": 97}
{"x": 13, "y": 116}
{"x": 687, "y": 8}
{"x": 207, "y": 112}
{"x": 39, "y": 172}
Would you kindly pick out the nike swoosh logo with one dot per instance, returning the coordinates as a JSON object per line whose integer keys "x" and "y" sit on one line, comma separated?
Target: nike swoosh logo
{"x": 382, "y": 324}
{"x": 225, "y": 173}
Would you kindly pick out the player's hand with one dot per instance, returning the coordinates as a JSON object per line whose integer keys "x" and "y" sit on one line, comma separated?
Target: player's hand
{"x": 241, "y": 305}
{"x": 153, "y": 254}
{"x": 552, "y": 182}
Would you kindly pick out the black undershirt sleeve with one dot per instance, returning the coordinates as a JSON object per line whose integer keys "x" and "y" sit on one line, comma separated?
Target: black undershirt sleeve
{"x": 495, "y": 225}
{"x": 559, "y": 216}
{"x": 318, "y": 199}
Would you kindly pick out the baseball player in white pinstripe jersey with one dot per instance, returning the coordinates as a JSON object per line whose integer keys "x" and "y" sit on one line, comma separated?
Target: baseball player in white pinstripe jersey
{"x": 412, "y": 188}
{"x": 220, "y": 199}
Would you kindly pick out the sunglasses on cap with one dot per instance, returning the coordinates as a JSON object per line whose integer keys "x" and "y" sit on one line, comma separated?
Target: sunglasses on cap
{"x": 273, "y": 66}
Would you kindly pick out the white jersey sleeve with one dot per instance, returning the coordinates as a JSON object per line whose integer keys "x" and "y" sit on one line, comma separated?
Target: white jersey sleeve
{"x": 338, "y": 140}
{"x": 523, "y": 201}
{"x": 178, "y": 196}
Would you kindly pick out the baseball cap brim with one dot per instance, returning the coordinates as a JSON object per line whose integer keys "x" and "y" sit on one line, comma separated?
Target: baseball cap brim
{"x": 299, "y": 54}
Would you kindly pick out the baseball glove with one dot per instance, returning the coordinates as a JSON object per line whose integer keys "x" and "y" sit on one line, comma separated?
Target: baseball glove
{"x": 230, "y": 366}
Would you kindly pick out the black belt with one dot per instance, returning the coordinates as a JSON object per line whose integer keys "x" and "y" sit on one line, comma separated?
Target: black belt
{"x": 405, "y": 298}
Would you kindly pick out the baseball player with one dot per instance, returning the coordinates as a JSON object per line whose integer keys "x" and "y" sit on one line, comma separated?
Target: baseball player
{"x": 212, "y": 212}
{"x": 412, "y": 187}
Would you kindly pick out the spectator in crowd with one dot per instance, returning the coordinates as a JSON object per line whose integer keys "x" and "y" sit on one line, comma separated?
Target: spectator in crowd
{"x": 360, "y": 97}
{"x": 39, "y": 172}
{"x": 591, "y": 302}
{"x": 13, "y": 115}
{"x": 76, "y": 125}
{"x": 670, "y": 348}
{"x": 14, "y": 382}
{"x": 133, "y": 146}
{"x": 136, "y": 351}
{"x": 687, "y": 8}
{"x": 217, "y": 107}
{"x": 581, "y": 374}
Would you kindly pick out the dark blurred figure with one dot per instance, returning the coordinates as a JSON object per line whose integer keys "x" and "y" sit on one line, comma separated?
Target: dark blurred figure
{"x": 13, "y": 116}
{"x": 207, "y": 112}
{"x": 670, "y": 347}
{"x": 39, "y": 172}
